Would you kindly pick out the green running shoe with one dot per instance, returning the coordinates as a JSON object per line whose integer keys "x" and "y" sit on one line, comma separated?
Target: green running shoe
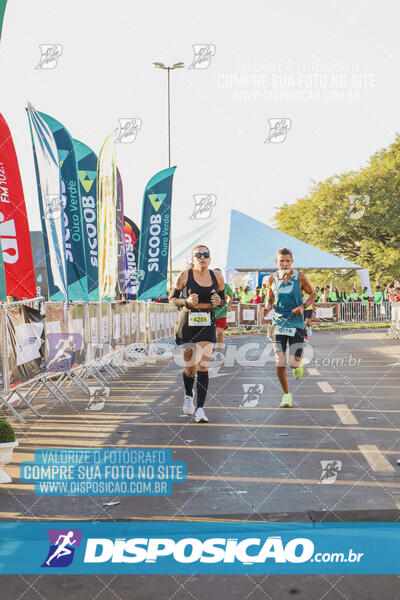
{"x": 298, "y": 372}
{"x": 286, "y": 401}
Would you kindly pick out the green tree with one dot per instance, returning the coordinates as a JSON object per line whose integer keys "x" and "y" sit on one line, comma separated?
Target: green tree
{"x": 354, "y": 215}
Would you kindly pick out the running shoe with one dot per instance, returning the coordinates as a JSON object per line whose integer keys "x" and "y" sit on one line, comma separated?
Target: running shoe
{"x": 286, "y": 401}
{"x": 309, "y": 332}
{"x": 188, "y": 405}
{"x": 298, "y": 372}
{"x": 200, "y": 416}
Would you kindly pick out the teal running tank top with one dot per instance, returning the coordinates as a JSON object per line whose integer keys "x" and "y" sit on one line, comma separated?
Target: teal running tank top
{"x": 287, "y": 296}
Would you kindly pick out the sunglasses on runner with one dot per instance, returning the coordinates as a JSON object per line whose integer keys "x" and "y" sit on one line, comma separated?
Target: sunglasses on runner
{"x": 200, "y": 254}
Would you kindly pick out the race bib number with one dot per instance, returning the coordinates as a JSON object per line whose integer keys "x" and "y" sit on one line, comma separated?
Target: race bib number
{"x": 199, "y": 319}
{"x": 290, "y": 331}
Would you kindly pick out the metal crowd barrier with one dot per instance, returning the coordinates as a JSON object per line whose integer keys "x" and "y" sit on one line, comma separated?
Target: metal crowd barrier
{"x": 59, "y": 345}
{"x": 368, "y": 312}
{"x": 248, "y": 318}
{"x": 394, "y": 330}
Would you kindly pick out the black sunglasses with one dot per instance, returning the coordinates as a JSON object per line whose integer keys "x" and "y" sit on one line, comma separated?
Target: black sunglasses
{"x": 200, "y": 254}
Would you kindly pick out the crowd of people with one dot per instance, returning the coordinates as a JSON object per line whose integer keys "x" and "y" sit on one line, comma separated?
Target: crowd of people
{"x": 389, "y": 292}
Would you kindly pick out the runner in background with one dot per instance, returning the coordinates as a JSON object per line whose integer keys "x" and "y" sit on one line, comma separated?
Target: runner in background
{"x": 221, "y": 312}
{"x": 285, "y": 288}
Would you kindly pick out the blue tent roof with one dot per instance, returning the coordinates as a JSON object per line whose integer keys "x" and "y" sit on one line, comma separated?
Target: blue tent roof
{"x": 252, "y": 246}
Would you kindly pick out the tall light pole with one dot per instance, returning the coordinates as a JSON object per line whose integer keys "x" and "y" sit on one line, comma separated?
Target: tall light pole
{"x": 178, "y": 65}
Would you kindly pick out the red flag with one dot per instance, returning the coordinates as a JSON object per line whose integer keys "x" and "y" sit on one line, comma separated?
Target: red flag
{"x": 14, "y": 228}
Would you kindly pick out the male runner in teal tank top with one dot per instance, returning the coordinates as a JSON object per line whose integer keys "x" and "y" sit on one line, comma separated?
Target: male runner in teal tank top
{"x": 285, "y": 291}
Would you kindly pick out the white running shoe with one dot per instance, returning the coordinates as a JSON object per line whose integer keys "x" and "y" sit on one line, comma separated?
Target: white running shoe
{"x": 309, "y": 332}
{"x": 200, "y": 416}
{"x": 188, "y": 405}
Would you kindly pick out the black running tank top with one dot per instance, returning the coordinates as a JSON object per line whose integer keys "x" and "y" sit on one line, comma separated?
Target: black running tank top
{"x": 204, "y": 293}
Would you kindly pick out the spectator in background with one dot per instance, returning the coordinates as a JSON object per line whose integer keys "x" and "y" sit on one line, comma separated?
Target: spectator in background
{"x": 378, "y": 296}
{"x": 353, "y": 297}
{"x": 256, "y": 298}
{"x": 247, "y": 295}
{"x": 236, "y": 297}
{"x": 377, "y": 299}
{"x": 319, "y": 293}
{"x": 365, "y": 296}
{"x": 390, "y": 291}
{"x": 333, "y": 295}
{"x": 325, "y": 295}
{"x": 263, "y": 291}
{"x": 396, "y": 294}
{"x": 342, "y": 296}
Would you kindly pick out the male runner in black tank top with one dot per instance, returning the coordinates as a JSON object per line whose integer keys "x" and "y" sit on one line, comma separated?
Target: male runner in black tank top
{"x": 196, "y": 326}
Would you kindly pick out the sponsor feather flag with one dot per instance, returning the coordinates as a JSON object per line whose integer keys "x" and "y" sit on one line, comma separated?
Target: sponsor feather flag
{"x": 3, "y": 291}
{"x": 48, "y": 177}
{"x": 107, "y": 218}
{"x": 87, "y": 174}
{"x": 14, "y": 227}
{"x": 131, "y": 235}
{"x": 73, "y": 220}
{"x": 154, "y": 236}
{"x": 120, "y": 237}
{"x": 3, "y": 4}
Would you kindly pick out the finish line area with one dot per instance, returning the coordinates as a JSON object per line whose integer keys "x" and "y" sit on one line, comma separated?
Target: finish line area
{"x": 335, "y": 451}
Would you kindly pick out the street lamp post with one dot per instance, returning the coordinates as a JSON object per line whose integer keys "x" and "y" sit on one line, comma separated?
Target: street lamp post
{"x": 178, "y": 65}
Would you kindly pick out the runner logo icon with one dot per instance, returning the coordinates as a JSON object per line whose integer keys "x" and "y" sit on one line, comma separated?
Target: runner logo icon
{"x": 62, "y": 547}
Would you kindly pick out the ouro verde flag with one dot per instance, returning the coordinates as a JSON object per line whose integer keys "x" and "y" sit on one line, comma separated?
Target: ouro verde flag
{"x": 154, "y": 236}
{"x": 107, "y": 218}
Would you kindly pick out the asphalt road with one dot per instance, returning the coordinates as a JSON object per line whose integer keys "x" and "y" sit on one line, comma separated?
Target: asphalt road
{"x": 331, "y": 457}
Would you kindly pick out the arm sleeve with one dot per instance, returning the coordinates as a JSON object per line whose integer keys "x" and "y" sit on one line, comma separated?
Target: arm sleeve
{"x": 175, "y": 300}
{"x": 221, "y": 294}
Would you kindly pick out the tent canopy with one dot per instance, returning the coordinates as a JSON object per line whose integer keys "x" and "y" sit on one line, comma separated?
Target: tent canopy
{"x": 238, "y": 242}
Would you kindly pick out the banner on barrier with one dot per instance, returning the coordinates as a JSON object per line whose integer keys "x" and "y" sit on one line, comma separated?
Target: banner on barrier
{"x": 50, "y": 203}
{"x": 248, "y": 314}
{"x": 326, "y": 312}
{"x": 154, "y": 238}
{"x": 26, "y": 343}
{"x": 87, "y": 174}
{"x": 106, "y": 215}
{"x": 14, "y": 227}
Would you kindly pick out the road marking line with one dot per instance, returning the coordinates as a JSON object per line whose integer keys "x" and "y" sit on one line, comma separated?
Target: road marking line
{"x": 376, "y": 459}
{"x": 312, "y": 371}
{"x": 293, "y": 481}
{"x": 345, "y": 414}
{"x": 326, "y": 387}
{"x": 258, "y": 426}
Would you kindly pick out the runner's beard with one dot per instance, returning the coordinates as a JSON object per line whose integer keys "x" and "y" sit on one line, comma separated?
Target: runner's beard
{"x": 285, "y": 274}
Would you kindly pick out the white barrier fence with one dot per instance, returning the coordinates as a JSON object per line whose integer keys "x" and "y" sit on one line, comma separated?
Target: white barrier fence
{"x": 394, "y": 330}
{"x": 50, "y": 346}
{"x": 247, "y": 318}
